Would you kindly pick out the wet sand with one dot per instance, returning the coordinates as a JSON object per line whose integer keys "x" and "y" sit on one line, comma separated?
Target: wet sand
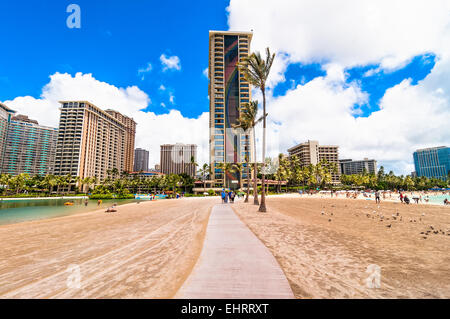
{"x": 144, "y": 250}
{"x": 327, "y": 255}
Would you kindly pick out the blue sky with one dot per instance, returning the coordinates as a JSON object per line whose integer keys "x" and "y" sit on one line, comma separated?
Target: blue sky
{"x": 118, "y": 39}
{"x": 114, "y": 41}
{"x": 376, "y": 50}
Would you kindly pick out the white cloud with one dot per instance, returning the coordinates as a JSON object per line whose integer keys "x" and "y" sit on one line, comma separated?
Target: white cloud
{"x": 348, "y": 32}
{"x": 152, "y": 129}
{"x": 344, "y": 34}
{"x": 170, "y": 63}
{"x": 205, "y": 72}
{"x": 411, "y": 117}
{"x": 143, "y": 71}
{"x": 171, "y": 98}
{"x": 162, "y": 88}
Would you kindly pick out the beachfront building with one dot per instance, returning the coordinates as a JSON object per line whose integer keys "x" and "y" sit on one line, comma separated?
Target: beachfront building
{"x": 91, "y": 142}
{"x": 5, "y": 117}
{"x": 432, "y": 162}
{"x": 178, "y": 158}
{"x": 29, "y": 147}
{"x": 228, "y": 90}
{"x": 350, "y": 167}
{"x": 311, "y": 152}
{"x": 140, "y": 160}
{"x": 130, "y": 137}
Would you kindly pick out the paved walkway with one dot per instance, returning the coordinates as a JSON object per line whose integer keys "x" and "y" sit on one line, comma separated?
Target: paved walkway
{"x": 234, "y": 263}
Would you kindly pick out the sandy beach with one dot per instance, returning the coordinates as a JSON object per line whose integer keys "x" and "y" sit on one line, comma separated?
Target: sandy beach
{"x": 326, "y": 255}
{"x": 144, "y": 250}
{"x": 147, "y": 250}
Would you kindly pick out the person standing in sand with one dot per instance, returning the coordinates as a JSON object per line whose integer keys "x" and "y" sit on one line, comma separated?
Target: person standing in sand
{"x": 377, "y": 197}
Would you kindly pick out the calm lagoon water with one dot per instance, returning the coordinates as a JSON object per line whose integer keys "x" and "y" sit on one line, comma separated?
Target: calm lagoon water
{"x": 438, "y": 199}
{"x": 17, "y": 211}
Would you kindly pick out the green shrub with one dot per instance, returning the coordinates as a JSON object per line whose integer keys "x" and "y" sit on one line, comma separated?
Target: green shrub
{"x": 211, "y": 192}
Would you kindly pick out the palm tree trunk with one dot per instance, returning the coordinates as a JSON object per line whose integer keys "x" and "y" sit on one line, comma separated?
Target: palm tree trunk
{"x": 262, "y": 207}
{"x": 248, "y": 183}
{"x": 255, "y": 172}
{"x": 224, "y": 179}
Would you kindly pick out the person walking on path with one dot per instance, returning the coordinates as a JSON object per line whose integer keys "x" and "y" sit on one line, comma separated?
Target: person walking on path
{"x": 224, "y": 196}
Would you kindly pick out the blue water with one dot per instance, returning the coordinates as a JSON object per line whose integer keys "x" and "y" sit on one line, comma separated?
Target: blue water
{"x": 438, "y": 199}
{"x": 17, "y": 211}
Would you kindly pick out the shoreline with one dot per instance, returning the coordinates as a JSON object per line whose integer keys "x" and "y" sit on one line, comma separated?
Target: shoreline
{"x": 48, "y": 218}
{"x": 143, "y": 251}
{"x": 39, "y": 198}
{"x": 82, "y": 213}
{"x": 323, "y": 196}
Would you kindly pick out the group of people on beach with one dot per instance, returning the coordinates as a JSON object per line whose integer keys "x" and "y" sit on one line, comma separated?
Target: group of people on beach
{"x": 405, "y": 197}
{"x": 229, "y": 195}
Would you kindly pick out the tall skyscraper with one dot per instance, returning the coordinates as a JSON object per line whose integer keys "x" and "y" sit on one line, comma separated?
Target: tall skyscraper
{"x": 140, "y": 160}
{"x": 312, "y": 153}
{"x": 228, "y": 90}
{"x": 130, "y": 133}
{"x": 350, "y": 167}
{"x": 91, "y": 142}
{"x": 29, "y": 147}
{"x": 5, "y": 117}
{"x": 432, "y": 162}
{"x": 177, "y": 158}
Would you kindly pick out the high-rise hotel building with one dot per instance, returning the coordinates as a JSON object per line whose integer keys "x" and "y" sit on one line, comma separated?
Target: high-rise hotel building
{"x": 5, "y": 117}
{"x": 433, "y": 162}
{"x": 178, "y": 158}
{"x": 228, "y": 90}
{"x": 311, "y": 152}
{"x": 350, "y": 167}
{"x": 91, "y": 142}
{"x": 140, "y": 160}
{"x": 130, "y": 134}
{"x": 29, "y": 147}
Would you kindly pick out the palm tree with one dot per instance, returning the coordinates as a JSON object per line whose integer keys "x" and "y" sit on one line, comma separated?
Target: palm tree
{"x": 194, "y": 163}
{"x": 172, "y": 181}
{"x": 4, "y": 182}
{"x": 248, "y": 120}
{"x": 226, "y": 168}
{"x": 256, "y": 71}
{"x": 115, "y": 172}
{"x": 204, "y": 171}
{"x": 238, "y": 167}
{"x": 282, "y": 171}
{"x": 247, "y": 165}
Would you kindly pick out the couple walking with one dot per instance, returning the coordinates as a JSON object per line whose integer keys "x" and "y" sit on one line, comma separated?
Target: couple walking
{"x": 225, "y": 196}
